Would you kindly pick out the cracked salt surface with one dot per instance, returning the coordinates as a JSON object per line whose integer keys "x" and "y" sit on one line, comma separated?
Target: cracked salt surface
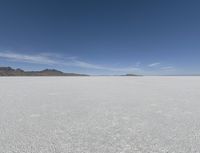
{"x": 99, "y": 114}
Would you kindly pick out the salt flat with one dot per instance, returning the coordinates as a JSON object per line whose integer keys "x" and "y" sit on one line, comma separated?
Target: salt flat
{"x": 99, "y": 114}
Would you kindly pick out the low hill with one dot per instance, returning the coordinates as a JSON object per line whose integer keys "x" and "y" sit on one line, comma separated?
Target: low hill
{"x": 131, "y": 75}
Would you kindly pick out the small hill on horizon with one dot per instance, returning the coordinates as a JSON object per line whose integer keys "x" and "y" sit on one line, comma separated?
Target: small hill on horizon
{"x": 8, "y": 71}
{"x": 132, "y": 75}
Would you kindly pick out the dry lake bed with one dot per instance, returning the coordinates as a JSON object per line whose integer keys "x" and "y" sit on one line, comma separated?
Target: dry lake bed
{"x": 99, "y": 114}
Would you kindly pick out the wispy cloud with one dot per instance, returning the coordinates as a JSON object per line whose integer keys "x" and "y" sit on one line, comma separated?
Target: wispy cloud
{"x": 138, "y": 64}
{"x": 167, "y": 68}
{"x": 83, "y": 64}
{"x": 48, "y": 59}
{"x": 154, "y": 64}
{"x": 40, "y": 59}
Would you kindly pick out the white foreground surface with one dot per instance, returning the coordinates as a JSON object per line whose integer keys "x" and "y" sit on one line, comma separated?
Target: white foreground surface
{"x": 99, "y": 114}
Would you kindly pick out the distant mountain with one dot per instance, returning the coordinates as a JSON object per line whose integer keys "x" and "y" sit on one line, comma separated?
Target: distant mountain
{"x": 131, "y": 75}
{"x": 8, "y": 71}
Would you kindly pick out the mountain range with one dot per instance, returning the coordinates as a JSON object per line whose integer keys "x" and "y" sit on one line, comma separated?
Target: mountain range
{"x": 8, "y": 71}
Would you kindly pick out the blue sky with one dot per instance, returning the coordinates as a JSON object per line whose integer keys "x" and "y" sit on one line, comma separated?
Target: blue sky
{"x": 101, "y": 36}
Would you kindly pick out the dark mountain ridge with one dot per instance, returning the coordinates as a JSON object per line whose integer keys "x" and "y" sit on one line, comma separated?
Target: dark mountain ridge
{"x": 8, "y": 71}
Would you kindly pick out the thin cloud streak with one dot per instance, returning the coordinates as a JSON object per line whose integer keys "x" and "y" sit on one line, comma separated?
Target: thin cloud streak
{"x": 94, "y": 66}
{"x": 154, "y": 64}
{"x": 38, "y": 59}
{"x": 47, "y": 59}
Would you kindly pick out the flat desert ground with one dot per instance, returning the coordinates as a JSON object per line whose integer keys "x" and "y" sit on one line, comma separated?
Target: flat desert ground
{"x": 99, "y": 114}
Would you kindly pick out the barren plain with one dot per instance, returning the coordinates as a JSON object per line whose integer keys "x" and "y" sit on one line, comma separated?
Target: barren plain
{"x": 99, "y": 114}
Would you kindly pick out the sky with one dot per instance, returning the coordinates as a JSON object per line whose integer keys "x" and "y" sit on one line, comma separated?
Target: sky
{"x": 149, "y": 37}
